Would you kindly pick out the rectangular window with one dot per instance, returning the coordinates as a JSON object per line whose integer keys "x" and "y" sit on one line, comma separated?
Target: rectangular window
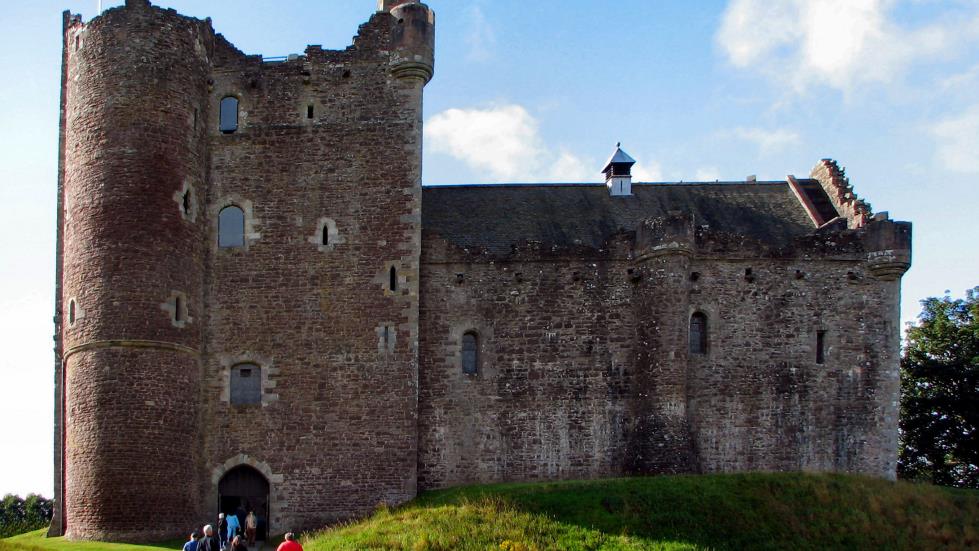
{"x": 820, "y": 347}
{"x": 246, "y": 385}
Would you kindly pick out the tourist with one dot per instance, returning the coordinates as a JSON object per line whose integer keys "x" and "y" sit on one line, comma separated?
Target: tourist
{"x": 194, "y": 541}
{"x": 238, "y": 544}
{"x": 251, "y": 526}
{"x": 290, "y": 544}
{"x": 210, "y": 541}
{"x": 234, "y": 528}
{"x": 223, "y": 530}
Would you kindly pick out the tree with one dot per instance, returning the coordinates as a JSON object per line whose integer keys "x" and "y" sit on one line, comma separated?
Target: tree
{"x": 19, "y": 515}
{"x": 940, "y": 394}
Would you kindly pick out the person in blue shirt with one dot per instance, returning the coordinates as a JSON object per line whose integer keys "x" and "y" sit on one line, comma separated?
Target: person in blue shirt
{"x": 233, "y": 526}
{"x": 195, "y": 540}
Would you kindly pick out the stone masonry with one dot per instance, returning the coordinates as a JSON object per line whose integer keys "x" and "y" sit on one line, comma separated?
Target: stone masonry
{"x": 352, "y": 290}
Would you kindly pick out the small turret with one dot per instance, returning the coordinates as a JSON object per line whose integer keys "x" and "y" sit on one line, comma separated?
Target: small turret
{"x": 413, "y": 41}
{"x": 618, "y": 172}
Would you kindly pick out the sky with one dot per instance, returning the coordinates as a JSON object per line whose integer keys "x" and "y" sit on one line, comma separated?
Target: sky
{"x": 542, "y": 91}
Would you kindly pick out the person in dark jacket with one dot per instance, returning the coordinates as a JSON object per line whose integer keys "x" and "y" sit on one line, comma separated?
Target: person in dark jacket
{"x": 222, "y": 530}
{"x": 209, "y": 542}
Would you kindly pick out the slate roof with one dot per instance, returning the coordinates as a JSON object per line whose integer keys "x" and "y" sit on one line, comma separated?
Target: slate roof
{"x": 494, "y": 217}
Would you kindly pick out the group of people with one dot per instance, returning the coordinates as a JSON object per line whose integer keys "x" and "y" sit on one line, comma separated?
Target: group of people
{"x": 234, "y": 532}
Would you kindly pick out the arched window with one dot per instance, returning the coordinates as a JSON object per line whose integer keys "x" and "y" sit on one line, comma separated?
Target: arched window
{"x": 393, "y": 279}
{"x": 246, "y": 385}
{"x": 229, "y": 115}
{"x": 470, "y": 353}
{"x": 698, "y": 333}
{"x": 231, "y": 227}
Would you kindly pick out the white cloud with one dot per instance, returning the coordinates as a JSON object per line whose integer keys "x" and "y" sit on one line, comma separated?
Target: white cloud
{"x": 504, "y": 142}
{"x": 647, "y": 172}
{"x": 570, "y": 168}
{"x": 768, "y": 141}
{"x": 708, "y": 174}
{"x": 958, "y": 141}
{"x": 480, "y": 35}
{"x": 839, "y": 43}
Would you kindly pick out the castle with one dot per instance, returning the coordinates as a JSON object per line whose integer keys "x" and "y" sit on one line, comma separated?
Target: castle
{"x": 259, "y": 304}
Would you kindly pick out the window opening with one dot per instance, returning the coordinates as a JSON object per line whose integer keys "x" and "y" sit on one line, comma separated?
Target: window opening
{"x": 78, "y": 42}
{"x": 698, "y": 333}
{"x": 309, "y": 111}
{"x": 325, "y": 239}
{"x": 231, "y": 227}
{"x": 186, "y": 202}
{"x": 229, "y": 115}
{"x": 470, "y": 353}
{"x": 820, "y": 347}
{"x": 246, "y": 385}
{"x": 71, "y": 312}
{"x": 177, "y": 306}
{"x": 393, "y": 283}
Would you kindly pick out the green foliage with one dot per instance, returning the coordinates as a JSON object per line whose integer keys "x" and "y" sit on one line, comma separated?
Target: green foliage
{"x": 940, "y": 394}
{"x": 673, "y": 513}
{"x": 18, "y": 515}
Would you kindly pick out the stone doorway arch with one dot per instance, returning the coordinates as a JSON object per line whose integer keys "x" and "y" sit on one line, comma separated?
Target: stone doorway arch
{"x": 242, "y": 489}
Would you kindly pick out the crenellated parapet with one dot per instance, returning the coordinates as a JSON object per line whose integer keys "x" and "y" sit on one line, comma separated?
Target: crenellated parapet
{"x": 837, "y": 186}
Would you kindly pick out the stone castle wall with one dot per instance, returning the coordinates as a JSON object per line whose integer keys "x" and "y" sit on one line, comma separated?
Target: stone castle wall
{"x": 134, "y": 80}
{"x": 584, "y": 368}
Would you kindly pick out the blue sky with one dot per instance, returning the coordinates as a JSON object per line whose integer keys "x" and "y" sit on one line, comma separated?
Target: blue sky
{"x": 535, "y": 91}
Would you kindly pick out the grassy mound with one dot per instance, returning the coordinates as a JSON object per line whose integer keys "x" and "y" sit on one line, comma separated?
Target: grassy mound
{"x": 750, "y": 511}
{"x": 669, "y": 513}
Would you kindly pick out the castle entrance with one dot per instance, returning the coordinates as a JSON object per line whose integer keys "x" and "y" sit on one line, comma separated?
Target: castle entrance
{"x": 244, "y": 489}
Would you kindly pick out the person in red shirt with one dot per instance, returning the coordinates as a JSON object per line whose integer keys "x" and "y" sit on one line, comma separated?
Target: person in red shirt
{"x": 290, "y": 544}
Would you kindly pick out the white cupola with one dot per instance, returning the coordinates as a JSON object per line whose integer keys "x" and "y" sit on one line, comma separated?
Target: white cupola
{"x": 618, "y": 172}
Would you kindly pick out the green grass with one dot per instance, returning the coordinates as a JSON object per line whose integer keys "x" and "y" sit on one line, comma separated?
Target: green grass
{"x": 750, "y": 511}
{"x": 37, "y": 541}
{"x": 668, "y": 513}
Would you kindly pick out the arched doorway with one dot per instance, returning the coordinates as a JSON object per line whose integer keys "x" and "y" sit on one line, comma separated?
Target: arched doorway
{"x": 244, "y": 489}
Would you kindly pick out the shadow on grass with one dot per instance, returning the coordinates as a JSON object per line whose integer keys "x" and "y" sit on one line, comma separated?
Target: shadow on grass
{"x": 750, "y": 511}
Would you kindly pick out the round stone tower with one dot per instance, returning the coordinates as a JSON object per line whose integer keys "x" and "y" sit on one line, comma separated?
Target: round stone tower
{"x": 131, "y": 248}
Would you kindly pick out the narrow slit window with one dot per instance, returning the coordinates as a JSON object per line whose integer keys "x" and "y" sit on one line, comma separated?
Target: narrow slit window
{"x": 698, "y": 333}
{"x": 470, "y": 353}
{"x": 178, "y": 306}
{"x": 820, "y": 347}
{"x": 393, "y": 276}
{"x": 325, "y": 237}
{"x": 229, "y": 115}
{"x": 186, "y": 202}
{"x": 246, "y": 385}
{"x": 231, "y": 228}
{"x": 309, "y": 111}
{"x": 71, "y": 312}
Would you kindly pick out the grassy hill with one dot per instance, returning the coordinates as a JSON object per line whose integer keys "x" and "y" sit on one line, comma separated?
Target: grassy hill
{"x": 669, "y": 513}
